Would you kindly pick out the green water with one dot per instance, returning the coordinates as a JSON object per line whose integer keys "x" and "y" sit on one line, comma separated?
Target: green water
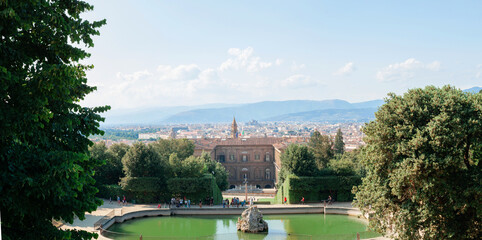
{"x": 292, "y": 226}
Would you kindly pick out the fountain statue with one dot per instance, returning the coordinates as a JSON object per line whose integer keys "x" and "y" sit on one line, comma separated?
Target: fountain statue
{"x": 251, "y": 220}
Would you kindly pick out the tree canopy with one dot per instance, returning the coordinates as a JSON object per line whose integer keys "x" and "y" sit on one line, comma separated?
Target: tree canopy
{"x": 298, "y": 160}
{"x": 339, "y": 146}
{"x": 149, "y": 168}
{"x": 423, "y": 165}
{"x": 322, "y": 148}
{"x": 45, "y": 170}
{"x": 165, "y": 147}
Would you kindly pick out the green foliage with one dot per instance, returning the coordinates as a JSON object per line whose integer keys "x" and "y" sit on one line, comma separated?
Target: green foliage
{"x": 143, "y": 189}
{"x": 143, "y": 161}
{"x": 118, "y": 150}
{"x": 217, "y": 169}
{"x": 110, "y": 191}
{"x": 111, "y": 171}
{"x": 141, "y": 184}
{"x": 339, "y": 147}
{"x": 322, "y": 148}
{"x": 145, "y": 174}
{"x": 129, "y": 134}
{"x": 182, "y": 147}
{"x": 116, "y": 134}
{"x": 195, "y": 188}
{"x": 422, "y": 157}
{"x": 349, "y": 163}
{"x": 192, "y": 167}
{"x": 316, "y": 189}
{"x": 45, "y": 170}
{"x": 298, "y": 160}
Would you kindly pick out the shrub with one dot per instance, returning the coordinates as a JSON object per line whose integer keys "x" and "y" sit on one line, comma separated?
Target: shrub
{"x": 195, "y": 188}
{"x": 316, "y": 189}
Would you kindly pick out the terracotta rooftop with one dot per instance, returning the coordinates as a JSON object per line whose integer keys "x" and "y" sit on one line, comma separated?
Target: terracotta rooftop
{"x": 211, "y": 143}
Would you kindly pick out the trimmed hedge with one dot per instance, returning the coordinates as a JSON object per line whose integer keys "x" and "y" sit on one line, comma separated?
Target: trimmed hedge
{"x": 316, "y": 189}
{"x": 151, "y": 189}
{"x": 110, "y": 191}
{"x": 195, "y": 188}
{"x": 143, "y": 189}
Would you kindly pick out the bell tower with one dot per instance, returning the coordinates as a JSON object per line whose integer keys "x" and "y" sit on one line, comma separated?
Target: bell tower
{"x": 234, "y": 129}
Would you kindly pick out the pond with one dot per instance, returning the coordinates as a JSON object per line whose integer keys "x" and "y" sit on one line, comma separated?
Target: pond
{"x": 292, "y": 226}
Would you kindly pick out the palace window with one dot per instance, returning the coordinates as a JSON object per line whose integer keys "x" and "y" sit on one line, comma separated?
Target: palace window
{"x": 256, "y": 157}
{"x": 245, "y": 158}
{"x": 245, "y": 173}
{"x": 221, "y": 158}
{"x": 231, "y": 157}
{"x": 268, "y": 174}
{"x": 267, "y": 157}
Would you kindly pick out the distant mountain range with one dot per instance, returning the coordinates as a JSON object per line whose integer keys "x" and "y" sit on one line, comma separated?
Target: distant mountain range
{"x": 293, "y": 110}
{"x": 275, "y": 111}
{"x": 473, "y": 90}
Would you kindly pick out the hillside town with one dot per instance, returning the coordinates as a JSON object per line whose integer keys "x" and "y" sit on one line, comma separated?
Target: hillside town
{"x": 352, "y": 132}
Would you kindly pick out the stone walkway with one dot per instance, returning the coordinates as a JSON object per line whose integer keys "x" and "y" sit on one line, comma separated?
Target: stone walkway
{"x": 91, "y": 218}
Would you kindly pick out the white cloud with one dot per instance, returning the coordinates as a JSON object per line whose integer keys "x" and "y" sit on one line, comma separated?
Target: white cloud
{"x": 278, "y": 61}
{"x": 181, "y": 72}
{"x": 297, "y": 81}
{"x": 345, "y": 70}
{"x": 405, "y": 70}
{"x": 242, "y": 77}
{"x": 244, "y": 60}
{"x": 434, "y": 66}
{"x": 297, "y": 67}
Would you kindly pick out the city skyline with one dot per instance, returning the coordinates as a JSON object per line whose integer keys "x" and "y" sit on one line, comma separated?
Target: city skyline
{"x": 153, "y": 54}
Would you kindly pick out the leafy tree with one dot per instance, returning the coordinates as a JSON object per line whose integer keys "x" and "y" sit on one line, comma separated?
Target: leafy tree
{"x": 221, "y": 175}
{"x": 217, "y": 169}
{"x": 348, "y": 163}
{"x": 423, "y": 165}
{"x": 175, "y": 165}
{"x": 322, "y": 148}
{"x": 145, "y": 173}
{"x": 45, "y": 170}
{"x": 118, "y": 151}
{"x": 339, "y": 147}
{"x": 192, "y": 167}
{"x": 182, "y": 147}
{"x": 143, "y": 161}
{"x": 105, "y": 174}
{"x": 298, "y": 160}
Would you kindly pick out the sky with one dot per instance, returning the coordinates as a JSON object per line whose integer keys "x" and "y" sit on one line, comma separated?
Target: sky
{"x": 185, "y": 53}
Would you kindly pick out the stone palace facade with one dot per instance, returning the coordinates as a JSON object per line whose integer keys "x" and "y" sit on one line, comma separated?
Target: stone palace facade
{"x": 256, "y": 160}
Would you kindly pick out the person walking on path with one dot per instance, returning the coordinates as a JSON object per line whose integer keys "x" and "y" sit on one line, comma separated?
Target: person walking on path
{"x": 302, "y": 200}
{"x": 285, "y": 201}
